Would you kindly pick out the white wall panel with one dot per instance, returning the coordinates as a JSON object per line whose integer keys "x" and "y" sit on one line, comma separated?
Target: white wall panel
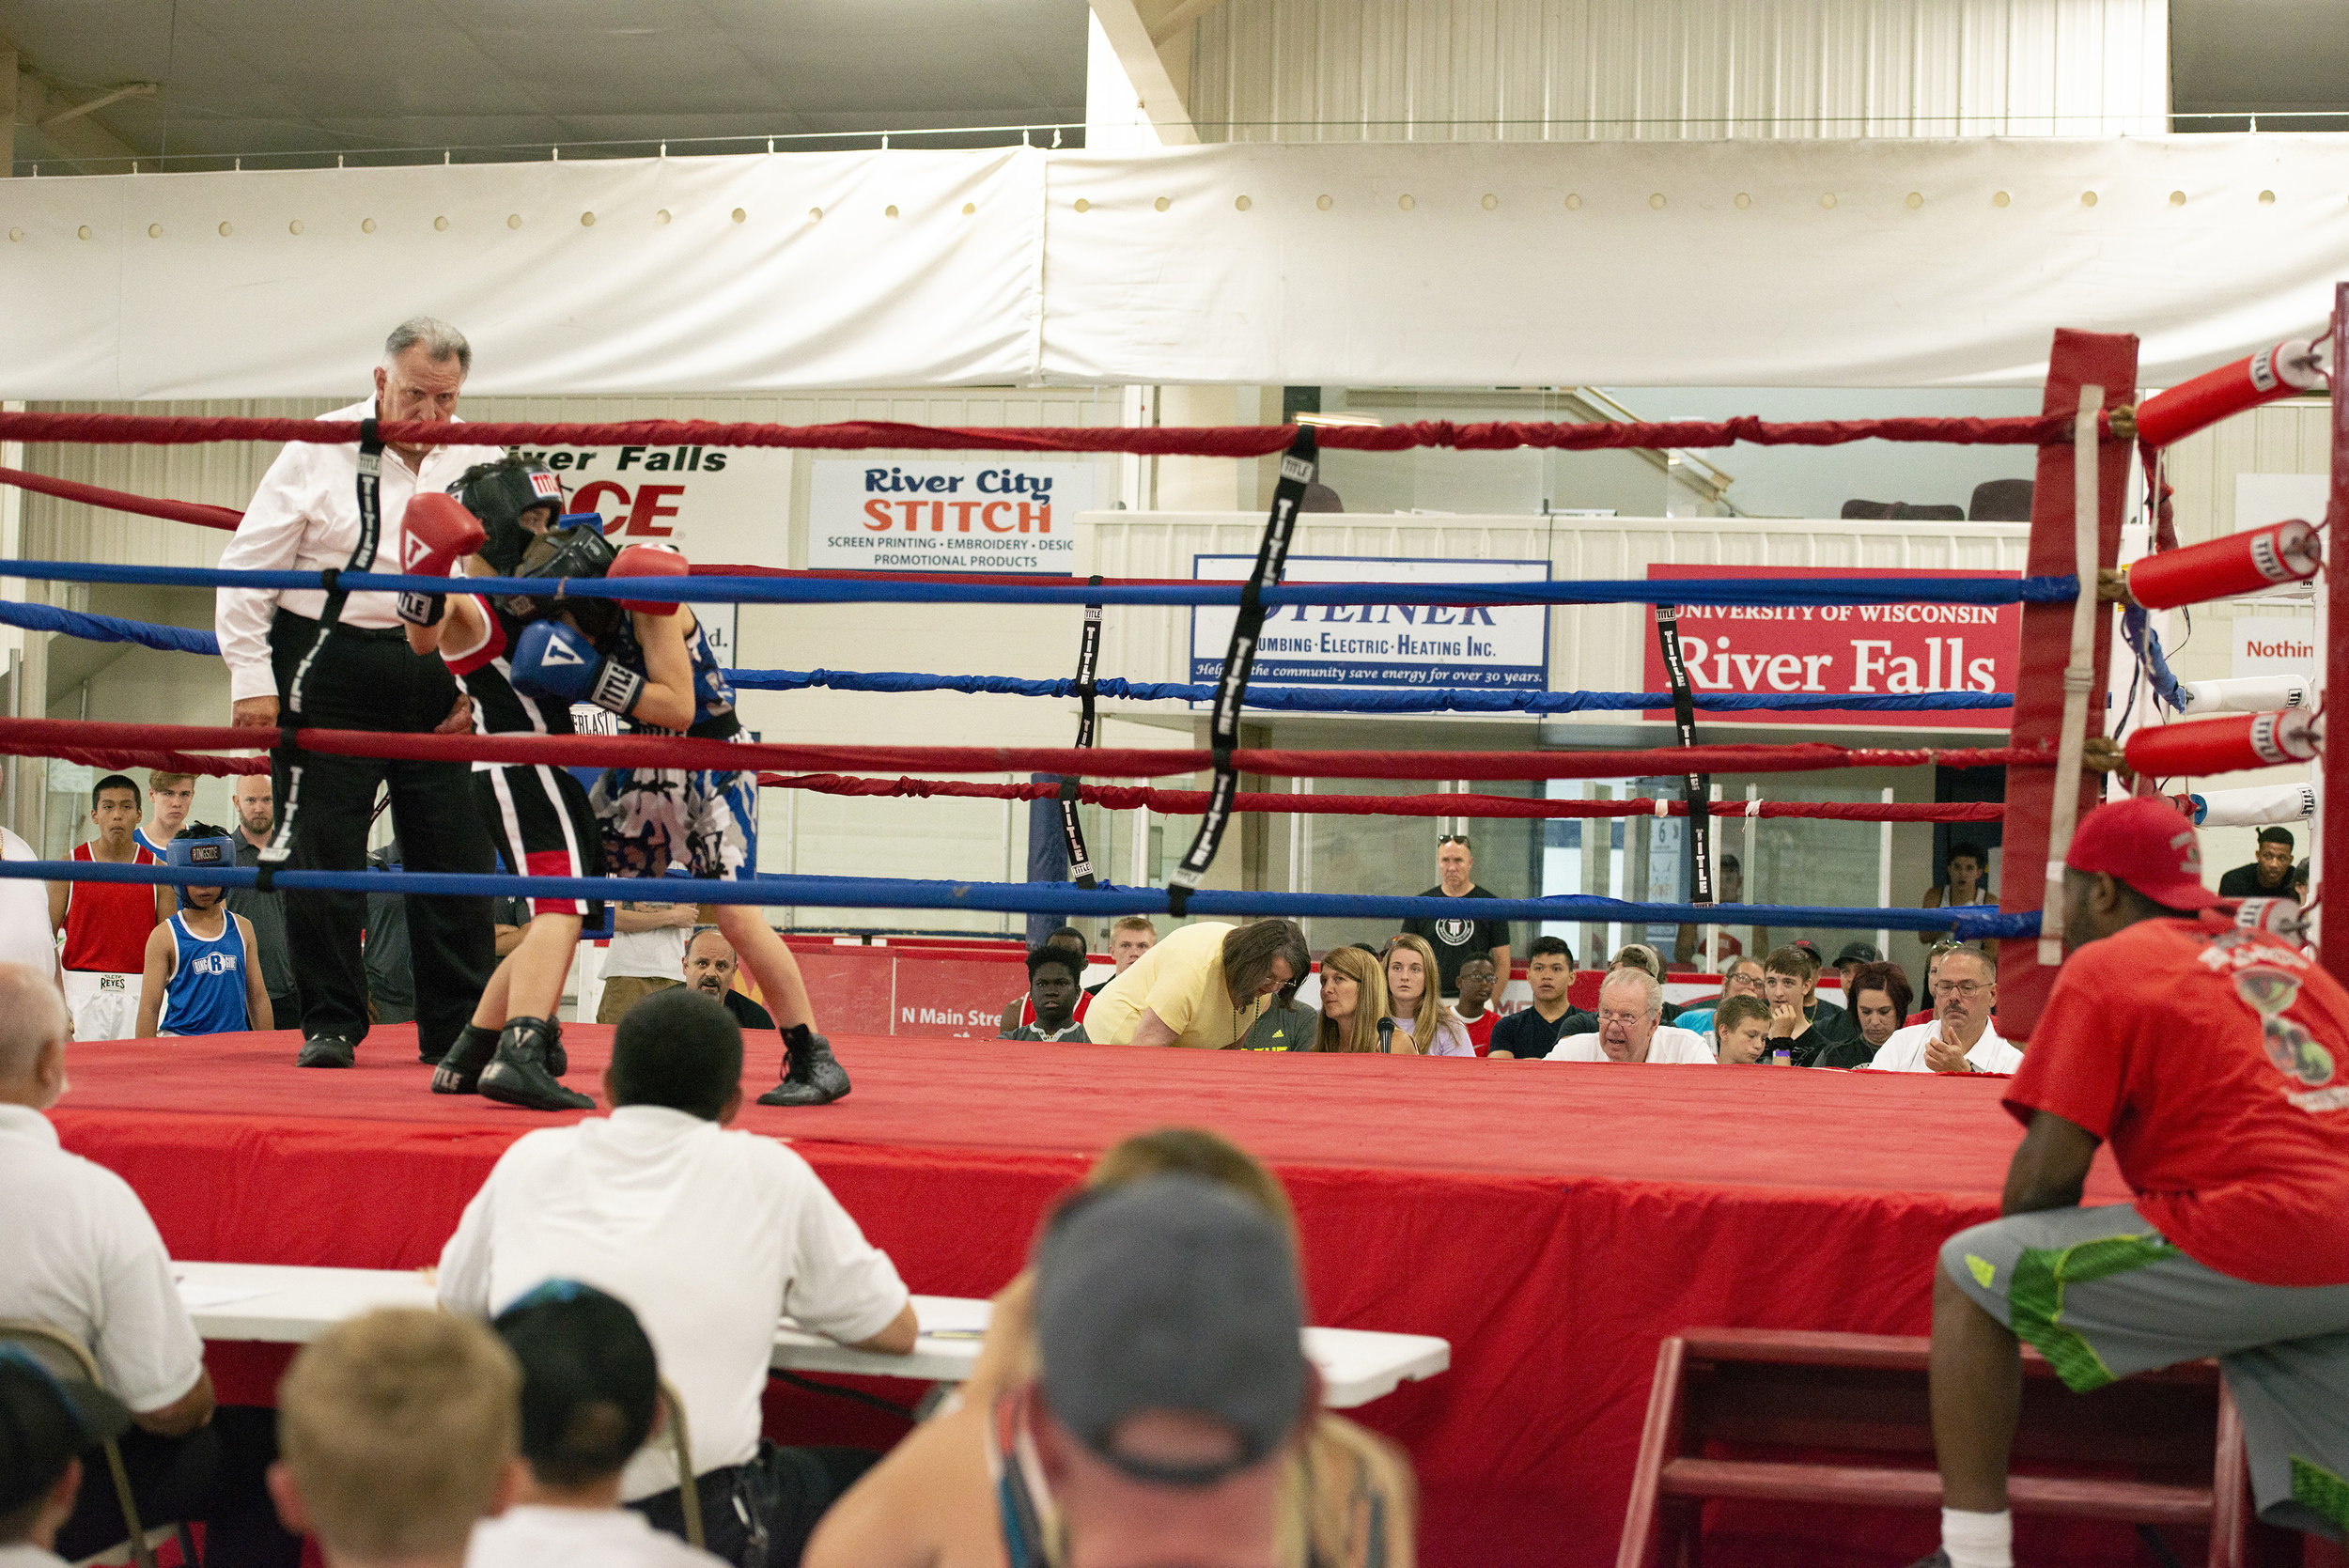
{"x": 1610, "y": 70}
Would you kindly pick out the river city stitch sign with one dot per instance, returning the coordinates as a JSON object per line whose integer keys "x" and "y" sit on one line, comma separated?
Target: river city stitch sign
{"x": 1000, "y": 516}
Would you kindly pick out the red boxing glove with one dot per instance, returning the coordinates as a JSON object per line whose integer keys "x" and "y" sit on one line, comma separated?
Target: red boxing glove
{"x": 648, "y": 561}
{"x": 436, "y": 532}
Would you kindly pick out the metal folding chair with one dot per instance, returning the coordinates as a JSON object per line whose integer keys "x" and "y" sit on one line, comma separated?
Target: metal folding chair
{"x": 65, "y": 1357}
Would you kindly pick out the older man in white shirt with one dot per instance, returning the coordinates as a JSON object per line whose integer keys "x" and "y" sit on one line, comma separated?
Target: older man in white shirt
{"x": 79, "y": 1254}
{"x": 1962, "y": 1037}
{"x": 709, "y": 1235}
{"x": 336, "y": 660}
{"x": 1631, "y": 1027}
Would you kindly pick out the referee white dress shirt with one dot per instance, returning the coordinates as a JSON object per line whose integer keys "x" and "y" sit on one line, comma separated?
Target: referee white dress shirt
{"x": 532, "y": 1536}
{"x": 1904, "y": 1051}
{"x": 1671, "y": 1047}
{"x": 711, "y": 1236}
{"x": 79, "y": 1253}
{"x": 305, "y": 517}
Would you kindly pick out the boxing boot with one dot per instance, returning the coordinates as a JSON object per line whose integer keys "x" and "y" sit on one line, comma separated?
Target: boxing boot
{"x": 811, "y": 1074}
{"x": 517, "y": 1074}
{"x": 327, "y": 1051}
{"x": 460, "y": 1071}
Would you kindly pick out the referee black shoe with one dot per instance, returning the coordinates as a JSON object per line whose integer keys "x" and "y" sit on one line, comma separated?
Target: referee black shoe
{"x": 517, "y": 1074}
{"x": 460, "y": 1071}
{"x": 811, "y": 1074}
{"x": 327, "y": 1051}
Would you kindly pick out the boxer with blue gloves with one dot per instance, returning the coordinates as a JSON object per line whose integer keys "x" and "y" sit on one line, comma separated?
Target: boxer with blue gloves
{"x": 654, "y": 667}
{"x": 512, "y": 1049}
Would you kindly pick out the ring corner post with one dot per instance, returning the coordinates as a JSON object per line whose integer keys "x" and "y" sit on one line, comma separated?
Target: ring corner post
{"x": 2076, "y": 359}
{"x": 2331, "y": 862}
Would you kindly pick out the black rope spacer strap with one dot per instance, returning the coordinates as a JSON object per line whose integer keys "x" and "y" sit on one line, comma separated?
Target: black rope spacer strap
{"x": 1178, "y": 899}
{"x": 287, "y": 732}
{"x": 1068, "y": 788}
{"x": 265, "y": 877}
{"x": 330, "y": 580}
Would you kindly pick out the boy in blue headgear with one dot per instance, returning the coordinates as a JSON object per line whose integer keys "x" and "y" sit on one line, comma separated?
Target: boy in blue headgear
{"x": 200, "y": 976}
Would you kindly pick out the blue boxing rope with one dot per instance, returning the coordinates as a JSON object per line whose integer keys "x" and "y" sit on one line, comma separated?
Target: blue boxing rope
{"x": 1312, "y": 699}
{"x": 1292, "y": 699}
{"x": 107, "y": 629}
{"x": 1968, "y": 924}
{"x": 1733, "y": 591}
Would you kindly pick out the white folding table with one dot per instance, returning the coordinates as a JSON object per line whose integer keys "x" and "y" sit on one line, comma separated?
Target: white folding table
{"x": 275, "y": 1304}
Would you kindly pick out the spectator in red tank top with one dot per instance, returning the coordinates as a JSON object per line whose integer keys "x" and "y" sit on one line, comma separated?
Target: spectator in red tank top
{"x": 105, "y": 923}
{"x": 1022, "y": 1014}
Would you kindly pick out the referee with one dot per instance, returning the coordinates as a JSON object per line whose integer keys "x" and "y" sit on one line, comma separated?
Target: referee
{"x": 307, "y": 657}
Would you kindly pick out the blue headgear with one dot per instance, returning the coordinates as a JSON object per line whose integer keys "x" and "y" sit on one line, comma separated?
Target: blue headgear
{"x": 206, "y": 848}
{"x": 203, "y": 853}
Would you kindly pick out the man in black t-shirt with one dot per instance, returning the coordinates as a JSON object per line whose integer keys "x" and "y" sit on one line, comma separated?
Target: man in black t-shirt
{"x": 1455, "y": 939}
{"x": 709, "y": 970}
{"x": 1528, "y": 1035}
{"x": 2268, "y": 875}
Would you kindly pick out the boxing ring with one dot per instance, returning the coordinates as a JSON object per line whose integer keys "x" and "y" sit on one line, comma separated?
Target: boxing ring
{"x": 1552, "y": 1223}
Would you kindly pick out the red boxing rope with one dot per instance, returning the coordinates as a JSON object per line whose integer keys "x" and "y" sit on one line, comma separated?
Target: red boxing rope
{"x": 2220, "y": 568}
{"x": 121, "y": 500}
{"x": 2293, "y": 366}
{"x": 1190, "y": 802}
{"x": 45, "y": 737}
{"x": 1233, "y": 441}
{"x": 2204, "y": 746}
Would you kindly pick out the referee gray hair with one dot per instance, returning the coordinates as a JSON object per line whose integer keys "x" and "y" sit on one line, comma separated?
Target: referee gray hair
{"x": 437, "y": 338}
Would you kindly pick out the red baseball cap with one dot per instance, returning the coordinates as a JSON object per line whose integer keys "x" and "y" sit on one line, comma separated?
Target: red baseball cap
{"x": 2147, "y": 843}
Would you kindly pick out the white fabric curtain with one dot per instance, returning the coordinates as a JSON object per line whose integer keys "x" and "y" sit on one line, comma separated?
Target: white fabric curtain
{"x": 1847, "y": 263}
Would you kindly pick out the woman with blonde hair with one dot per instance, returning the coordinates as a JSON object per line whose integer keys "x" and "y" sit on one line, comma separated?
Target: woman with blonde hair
{"x": 1425, "y": 1023}
{"x": 1353, "y": 1001}
{"x": 1347, "y": 1500}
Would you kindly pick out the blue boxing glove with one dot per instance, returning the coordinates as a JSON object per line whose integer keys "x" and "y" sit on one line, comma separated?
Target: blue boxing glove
{"x": 552, "y": 660}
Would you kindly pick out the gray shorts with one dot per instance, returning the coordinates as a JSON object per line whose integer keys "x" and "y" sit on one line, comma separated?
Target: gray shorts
{"x": 2101, "y": 1293}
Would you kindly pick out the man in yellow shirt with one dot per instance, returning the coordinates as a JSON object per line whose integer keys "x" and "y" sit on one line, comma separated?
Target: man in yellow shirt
{"x": 1203, "y": 986}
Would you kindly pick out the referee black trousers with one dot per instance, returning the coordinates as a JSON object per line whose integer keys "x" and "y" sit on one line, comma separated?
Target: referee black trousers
{"x": 369, "y": 680}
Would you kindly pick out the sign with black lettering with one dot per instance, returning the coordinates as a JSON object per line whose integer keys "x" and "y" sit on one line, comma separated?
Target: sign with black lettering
{"x": 1492, "y": 647}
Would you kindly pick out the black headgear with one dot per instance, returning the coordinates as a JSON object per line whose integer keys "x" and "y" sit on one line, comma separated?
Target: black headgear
{"x": 499, "y": 493}
{"x": 574, "y": 547}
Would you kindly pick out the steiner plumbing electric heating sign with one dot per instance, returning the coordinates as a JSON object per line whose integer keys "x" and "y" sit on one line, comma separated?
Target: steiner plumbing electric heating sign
{"x": 1848, "y": 649}
{"x": 1002, "y": 516}
{"x": 1494, "y": 648}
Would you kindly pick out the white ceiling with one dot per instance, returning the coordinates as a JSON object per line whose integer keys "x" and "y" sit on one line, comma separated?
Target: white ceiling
{"x": 263, "y": 76}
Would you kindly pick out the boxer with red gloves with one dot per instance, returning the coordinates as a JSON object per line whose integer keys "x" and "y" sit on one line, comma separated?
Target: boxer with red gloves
{"x": 655, "y": 671}
{"x": 512, "y": 1049}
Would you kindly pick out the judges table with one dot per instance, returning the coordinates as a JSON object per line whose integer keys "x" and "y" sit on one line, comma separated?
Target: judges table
{"x": 274, "y": 1304}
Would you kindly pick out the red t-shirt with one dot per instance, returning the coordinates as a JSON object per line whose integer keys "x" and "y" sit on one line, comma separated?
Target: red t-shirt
{"x": 1480, "y": 1031}
{"x": 2217, "y": 1063}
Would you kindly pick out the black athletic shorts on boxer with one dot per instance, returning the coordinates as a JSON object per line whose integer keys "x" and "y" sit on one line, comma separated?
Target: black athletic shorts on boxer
{"x": 542, "y": 825}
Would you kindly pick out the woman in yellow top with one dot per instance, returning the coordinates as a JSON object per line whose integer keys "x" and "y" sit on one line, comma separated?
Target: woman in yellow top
{"x": 1201, "y": 986}
{"x": 1348, "y": 1500}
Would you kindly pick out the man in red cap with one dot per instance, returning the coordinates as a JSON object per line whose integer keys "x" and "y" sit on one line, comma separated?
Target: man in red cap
{"x": 2215, "y": 1058}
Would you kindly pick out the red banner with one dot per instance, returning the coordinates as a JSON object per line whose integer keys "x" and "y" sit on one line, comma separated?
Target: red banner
{"x": 1848, "y": 649}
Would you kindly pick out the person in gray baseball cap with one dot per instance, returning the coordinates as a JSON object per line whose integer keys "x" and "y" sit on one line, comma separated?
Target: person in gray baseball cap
{"x": 1167, "y": 1319}
{"x": 46, "y": 1423}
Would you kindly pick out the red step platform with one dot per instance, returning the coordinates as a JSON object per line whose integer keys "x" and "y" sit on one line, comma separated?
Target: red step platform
{"x": 1553, "y": 1222}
